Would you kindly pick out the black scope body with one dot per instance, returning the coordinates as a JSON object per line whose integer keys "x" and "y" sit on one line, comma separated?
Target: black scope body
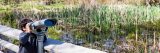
{"x": 41, "y": 26}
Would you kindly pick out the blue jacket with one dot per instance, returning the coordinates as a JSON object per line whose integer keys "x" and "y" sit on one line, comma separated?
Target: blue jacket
{"x": 28, "y": 43}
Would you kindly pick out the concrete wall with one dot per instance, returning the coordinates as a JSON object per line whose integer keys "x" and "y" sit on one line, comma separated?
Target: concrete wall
{"x": 52, "y": 46}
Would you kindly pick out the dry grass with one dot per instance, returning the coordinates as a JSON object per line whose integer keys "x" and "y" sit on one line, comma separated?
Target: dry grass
{"x": 91, "y": 2}
{"x": 122, "y": 2}
{"x": 135, "y": 2}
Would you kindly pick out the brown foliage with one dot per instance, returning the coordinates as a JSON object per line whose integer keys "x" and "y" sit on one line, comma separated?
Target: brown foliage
{"x": 149, "y": 2}
{"x": 135, "y": 2}
{"x": 94, "y": 2}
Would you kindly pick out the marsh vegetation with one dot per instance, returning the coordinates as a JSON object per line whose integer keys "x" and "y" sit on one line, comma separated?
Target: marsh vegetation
{"x": 115, "y": 27}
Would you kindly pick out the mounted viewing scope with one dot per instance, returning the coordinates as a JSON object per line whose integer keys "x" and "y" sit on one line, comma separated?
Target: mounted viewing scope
{"x": 41, "y": 26}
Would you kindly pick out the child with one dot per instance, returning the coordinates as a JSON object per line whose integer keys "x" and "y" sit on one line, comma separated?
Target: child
{"x": 28, "y": 40}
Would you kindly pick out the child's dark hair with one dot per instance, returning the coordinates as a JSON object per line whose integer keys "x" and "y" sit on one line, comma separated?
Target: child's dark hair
{"x": 23, "y": 23}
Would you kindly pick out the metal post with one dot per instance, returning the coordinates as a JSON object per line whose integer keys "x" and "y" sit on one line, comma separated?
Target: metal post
{"x": 40, "y": 43}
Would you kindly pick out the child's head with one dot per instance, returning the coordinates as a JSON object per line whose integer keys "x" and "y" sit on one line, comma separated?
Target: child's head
{"x": 23, "y": 24}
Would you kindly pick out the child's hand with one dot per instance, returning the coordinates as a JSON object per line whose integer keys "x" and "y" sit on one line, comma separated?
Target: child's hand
{"x": 28, "y": 30}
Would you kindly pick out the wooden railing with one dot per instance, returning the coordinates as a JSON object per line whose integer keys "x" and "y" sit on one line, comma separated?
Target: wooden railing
{"x": 52, "y": 46}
